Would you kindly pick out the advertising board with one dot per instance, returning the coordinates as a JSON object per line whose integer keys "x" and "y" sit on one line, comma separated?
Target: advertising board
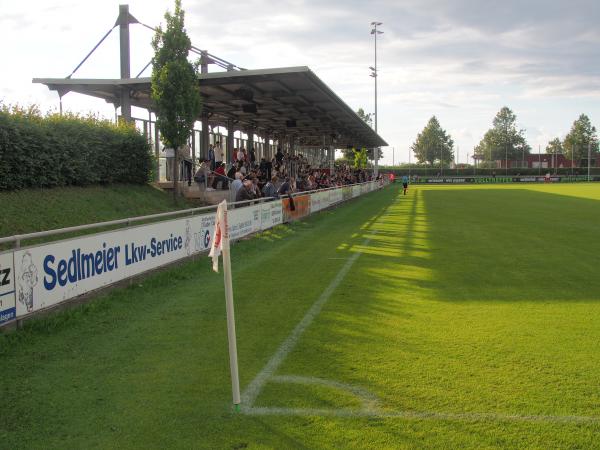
{"x": 7, "y": 287}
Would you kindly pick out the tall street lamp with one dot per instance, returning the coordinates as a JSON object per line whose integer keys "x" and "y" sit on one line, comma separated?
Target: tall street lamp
{"x": 375, "y": 32}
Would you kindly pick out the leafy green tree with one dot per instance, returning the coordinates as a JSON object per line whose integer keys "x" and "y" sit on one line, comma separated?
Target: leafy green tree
{"x": 504, "y": 139}
{"x": 433, "y": 144}
{"x": 368, "y": 119}
{"x": 581, "y": 135}
{"x": 175, "y": 89}
{"x": 360, "y": 158}
{"x": 555, "y": 147}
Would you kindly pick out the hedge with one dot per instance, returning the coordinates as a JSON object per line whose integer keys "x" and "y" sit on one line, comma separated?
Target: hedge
{"x": 54, "y": 150}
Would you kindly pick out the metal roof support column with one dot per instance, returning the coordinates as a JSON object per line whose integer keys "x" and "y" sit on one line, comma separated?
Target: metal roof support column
{"x": 291, "y": 144}
{"x": 204, "y": 137}
{"x": 157, "y": 151}
{"x": 331, "y": 158}
{"x": 251, "y": 141}
{"x": 125, "y": 60}
{"x": 267, "y": 148}
{"x": 230, "y": 133}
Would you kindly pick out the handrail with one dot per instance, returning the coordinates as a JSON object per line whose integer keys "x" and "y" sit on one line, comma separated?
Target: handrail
{"x": 294, "y": 194}
{"x": 20, "y": 237}
{"x": 128, "y": 221}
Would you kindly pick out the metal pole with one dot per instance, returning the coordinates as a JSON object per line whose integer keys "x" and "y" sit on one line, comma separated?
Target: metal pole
{"x": 233, "y": 360}
{"x": 393, "y": 156}
{"x": 125, "y": 60}
{"x": 506, "y": 157}
{"x": 589, "y": 159}
{"x": 539, "y": 159}
{"x": 377, "y": 149}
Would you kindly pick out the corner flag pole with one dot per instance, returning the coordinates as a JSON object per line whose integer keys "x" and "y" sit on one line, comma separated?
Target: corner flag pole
{"x": 221, "y": 243}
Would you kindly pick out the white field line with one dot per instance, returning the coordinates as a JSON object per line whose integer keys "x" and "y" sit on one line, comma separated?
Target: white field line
{"x": 255, "y": 387}
{"x": 417, "y": 415}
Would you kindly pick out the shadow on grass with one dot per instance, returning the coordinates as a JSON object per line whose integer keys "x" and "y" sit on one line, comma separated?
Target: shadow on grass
{"x": 497, "y": 245}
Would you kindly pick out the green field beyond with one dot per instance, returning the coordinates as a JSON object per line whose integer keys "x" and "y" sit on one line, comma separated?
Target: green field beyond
{"x": 453, "y": 317}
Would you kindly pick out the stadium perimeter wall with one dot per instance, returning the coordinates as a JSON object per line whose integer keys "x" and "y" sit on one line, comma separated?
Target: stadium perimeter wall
{"x": 501, "y": 179}
{"x": 38, "y": 278}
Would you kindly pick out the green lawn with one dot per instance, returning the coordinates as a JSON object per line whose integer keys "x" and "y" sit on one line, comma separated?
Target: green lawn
{"x": 31, "y": 210}
{"x": 471, "y": 319}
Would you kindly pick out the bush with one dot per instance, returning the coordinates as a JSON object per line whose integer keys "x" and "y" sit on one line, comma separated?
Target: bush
{"x": 54, "y": 150}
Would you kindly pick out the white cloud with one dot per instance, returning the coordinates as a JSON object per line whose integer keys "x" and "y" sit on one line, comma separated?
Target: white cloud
{"x": 460, "y": 60}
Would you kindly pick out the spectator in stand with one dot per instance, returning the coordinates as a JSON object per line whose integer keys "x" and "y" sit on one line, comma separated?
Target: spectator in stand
{"x": 236, "y": 184}
{"x": 242, "y": 169}
{"x": 285, "y": 188}
{"x": 279, "y": 156}
{"x": 201, "y": 175}
{"x": 252, "y": 157}
{"x": 220, "y": 176}
{"x": 240, "y": 155}
{"x": 211, "y": 156}
{"x": 255, "y": 188}
{"x": 269, "y": 189}
{"x": 218, "y": 154}
{"x": 231, "y": 172}
{"x": 245, "y": 192}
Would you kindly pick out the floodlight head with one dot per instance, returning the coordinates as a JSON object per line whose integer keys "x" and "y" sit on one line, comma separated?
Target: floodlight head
{"x": 376, "y": 23}
{"x": 372, "y": 68}
{"x": 373, "y": 31}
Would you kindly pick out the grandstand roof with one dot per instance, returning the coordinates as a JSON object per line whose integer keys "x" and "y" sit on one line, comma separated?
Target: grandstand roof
{"x": 281, "y": 101}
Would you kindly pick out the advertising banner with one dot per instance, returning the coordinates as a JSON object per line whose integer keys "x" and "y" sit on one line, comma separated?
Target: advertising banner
{"x": 335, "y": 196}
{"x": 7, "y": 287}
{"x": 315, "y": 202}
{"x": 244, "y": 221}
{"x": 271, "y": 214}
{"x": 301, "y": 208}
{"x": 38, "y": 277}
{"x": 51, "y": 273}
{"x": 346, "y": 193}
{"x": 356, "y": 191}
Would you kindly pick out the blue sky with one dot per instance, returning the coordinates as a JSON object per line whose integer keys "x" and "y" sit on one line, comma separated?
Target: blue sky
{"x": 460, "y": 60}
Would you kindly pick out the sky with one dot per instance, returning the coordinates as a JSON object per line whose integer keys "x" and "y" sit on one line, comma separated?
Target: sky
{"x": 460, "y": 60}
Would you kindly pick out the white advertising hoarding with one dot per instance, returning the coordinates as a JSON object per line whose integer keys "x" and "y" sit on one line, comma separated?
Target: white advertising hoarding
{"x": 7, "y": 287}
{"x": 51, "y": 273}
{"x": 38, "y": 277}
{"x": 335, "y": 196}
{"x": 271, "y": 214}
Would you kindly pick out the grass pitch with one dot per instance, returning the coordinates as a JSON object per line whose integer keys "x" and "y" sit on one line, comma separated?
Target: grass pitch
{"x": 470, "y": 318}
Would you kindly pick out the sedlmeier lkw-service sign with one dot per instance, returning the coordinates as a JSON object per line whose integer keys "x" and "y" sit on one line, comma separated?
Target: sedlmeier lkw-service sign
{"x": 49, "y": 274}
{"x": 7, "y": 287}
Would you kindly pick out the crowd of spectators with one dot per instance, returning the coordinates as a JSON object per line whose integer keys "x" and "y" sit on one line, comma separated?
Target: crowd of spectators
{"x": 282, "y": 175}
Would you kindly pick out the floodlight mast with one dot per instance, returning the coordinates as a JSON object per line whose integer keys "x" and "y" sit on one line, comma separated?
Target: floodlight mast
{"x": 375, "y": 32}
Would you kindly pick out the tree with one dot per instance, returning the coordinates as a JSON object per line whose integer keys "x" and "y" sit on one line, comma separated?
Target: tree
{"x": 581, "y": 135}
{"x": 503, "y": 140}
{"x": 433, "y": 144}
{"x": 368, "y": 119}
{"x": 175, "y": 90}
{"x": 555, "y": 147}
{"x": 360, "y": 158}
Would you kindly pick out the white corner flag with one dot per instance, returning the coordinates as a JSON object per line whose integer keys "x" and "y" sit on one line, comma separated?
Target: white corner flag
{"x": 217, "y": 240}
{"x": 220, "y": 243}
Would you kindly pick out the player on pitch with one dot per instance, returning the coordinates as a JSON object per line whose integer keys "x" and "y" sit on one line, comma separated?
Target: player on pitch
{"x": 405, "y": 183}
